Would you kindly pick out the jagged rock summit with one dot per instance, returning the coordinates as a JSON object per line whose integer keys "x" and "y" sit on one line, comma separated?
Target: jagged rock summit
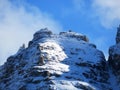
{"x": 56, "y": 62}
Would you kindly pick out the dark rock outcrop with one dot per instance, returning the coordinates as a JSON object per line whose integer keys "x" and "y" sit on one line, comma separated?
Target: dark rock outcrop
{"x": 114, "y": 60}
{"x": 42, "y": 34}
{"x": 114, "y": 54}
{"x": 118, "y": 35}
{"x": 114, "y": 57}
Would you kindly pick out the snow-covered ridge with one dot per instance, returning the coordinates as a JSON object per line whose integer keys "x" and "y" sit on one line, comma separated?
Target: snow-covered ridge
{"x": 74, "y": 35}
{"x": 45, "y": 33}
{"x": 65, "y": 61}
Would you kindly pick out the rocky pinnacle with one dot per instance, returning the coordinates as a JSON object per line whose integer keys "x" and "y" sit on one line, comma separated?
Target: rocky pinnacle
{"x": 118, "y": 35}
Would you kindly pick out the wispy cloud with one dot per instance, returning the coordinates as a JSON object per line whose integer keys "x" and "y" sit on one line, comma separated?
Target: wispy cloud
{"x": 108, "y": 12}
{"x": 18, "y": 23}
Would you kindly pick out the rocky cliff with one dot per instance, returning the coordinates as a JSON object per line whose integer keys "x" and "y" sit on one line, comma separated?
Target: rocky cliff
{"x": 65, "y": 61}
{"x": 114, "y": 58}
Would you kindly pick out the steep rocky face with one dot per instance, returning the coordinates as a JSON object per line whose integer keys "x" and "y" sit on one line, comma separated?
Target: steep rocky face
{"x": 118, "y": 35}
{"x": 114, "y": 53}
{"x": 56, "y": 62}
{"x": 114, "y": 57}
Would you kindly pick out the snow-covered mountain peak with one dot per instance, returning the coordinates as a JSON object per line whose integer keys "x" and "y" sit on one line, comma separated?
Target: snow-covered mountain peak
{"x": 65, "y": 61}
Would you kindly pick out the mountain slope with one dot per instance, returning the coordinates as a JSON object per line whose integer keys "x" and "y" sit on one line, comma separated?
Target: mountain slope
{"x": 56, "y": 62}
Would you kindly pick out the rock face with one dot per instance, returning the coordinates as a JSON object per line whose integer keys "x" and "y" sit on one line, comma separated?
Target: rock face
{"x": 118, "y": 35}
{"x": 57, "y": 62}
{"x": 114, "y": 57}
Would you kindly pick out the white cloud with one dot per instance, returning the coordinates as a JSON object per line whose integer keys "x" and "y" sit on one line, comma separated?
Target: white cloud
{"x": 105, "y": 11}
{"x": 108, "y": 12}
{"x": 17, "y": 25}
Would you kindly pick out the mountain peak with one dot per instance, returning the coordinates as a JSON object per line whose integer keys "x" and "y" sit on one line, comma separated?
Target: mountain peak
{"x": 42, "y": 33}
{"x": 64, "y": 61}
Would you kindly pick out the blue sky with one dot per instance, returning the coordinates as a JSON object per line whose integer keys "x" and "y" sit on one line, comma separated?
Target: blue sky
{"x": 20, "y": 19}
